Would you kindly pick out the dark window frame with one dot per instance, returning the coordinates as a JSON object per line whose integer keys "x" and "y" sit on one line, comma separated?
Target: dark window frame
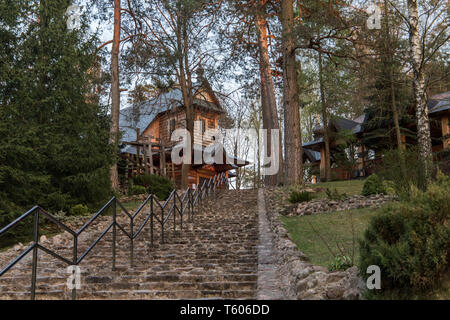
{"x": 172, "y": 125}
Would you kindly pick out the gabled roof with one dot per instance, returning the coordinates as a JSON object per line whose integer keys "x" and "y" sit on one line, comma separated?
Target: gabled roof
{"x": 439, "y": 102}
{"x": 141, "y": 116}
{"x": 313, "y": 156}
{"x": 342, "y": 124}
{"x": 354, "y": 126}
{"x": 312, "y": 143}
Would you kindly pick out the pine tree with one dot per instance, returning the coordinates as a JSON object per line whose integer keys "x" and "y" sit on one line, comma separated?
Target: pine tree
{"x": 54, "y": 149}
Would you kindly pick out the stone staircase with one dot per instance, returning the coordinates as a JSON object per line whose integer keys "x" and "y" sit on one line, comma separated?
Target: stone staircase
{"x": 213, "y": 257}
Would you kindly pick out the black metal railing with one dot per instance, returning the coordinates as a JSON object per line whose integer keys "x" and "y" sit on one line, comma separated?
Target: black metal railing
{"x": 175, "y": 207}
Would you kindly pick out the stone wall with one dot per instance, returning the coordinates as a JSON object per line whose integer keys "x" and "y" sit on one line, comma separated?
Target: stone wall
{"x": 302, "y": 280}
{"x": 353, "y": 202}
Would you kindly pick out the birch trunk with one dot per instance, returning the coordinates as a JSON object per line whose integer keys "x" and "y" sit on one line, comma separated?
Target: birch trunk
{"x": 115, "y": 92}
{"x": 423, "y": 124}
{"x": 292, "y": 129}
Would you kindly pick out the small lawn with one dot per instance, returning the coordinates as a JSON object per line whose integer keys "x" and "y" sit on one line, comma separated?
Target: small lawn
{"x": 132, "y": 205}
{"x": 350, "y": 187}
{"x": 311, "y": 232}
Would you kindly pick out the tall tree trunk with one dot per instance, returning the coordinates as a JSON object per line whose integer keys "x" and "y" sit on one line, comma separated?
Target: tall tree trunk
{"x": 390, "y": 53}
{"x": 292, "y": 127}
{"x": 423, "y": 124}
{"x": 395, "y": 112}
{"x": 326, "y": 136}
{"x": 185, "y": 79}
{"x": 397, "y": 125}
{"x": 115, "y": 93}
{"x": 270, "y": 113}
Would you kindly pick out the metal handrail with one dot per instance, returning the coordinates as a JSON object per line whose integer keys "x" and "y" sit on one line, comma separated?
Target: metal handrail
{"x": 192, "y": 198}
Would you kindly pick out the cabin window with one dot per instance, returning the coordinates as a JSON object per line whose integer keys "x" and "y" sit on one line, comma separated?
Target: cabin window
{"x": 203, "y": 121}
{"x": 171, "y": 126}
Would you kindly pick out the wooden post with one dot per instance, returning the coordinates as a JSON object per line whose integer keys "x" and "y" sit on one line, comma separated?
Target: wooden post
{"x": 144, "y": 150}
{"x": 173, "y": 172}
{"x": 138, "y": 152}
{"x": 403, "y": 142}
{"x": 150, "y": 151}
{"x": 163, "y": 159}
{"x": 127, "y": 173}
{"x": 445, "y": 132}
{"x": 322, "y": 162}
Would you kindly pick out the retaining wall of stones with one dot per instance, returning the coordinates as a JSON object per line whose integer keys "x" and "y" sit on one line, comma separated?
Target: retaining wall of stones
{"x": 302, "y": 280}
{"x": 353, "y": 202}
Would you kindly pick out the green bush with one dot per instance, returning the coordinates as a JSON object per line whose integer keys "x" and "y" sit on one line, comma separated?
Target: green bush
{"x": 373, "y": 185}
{"x": 335, "y": 195}
{"x": 79, "y": 210}
{"x": 340, "y": 263}
{"x": 403, "y": 170}
{"x": 297, "y": 197}
{"x": 160, "y": 186}
{"x": 410, "y": 241}
{"x": 136, "y": 190}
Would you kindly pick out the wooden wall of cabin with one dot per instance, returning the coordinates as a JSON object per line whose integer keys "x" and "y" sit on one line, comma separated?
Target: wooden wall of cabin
{"x": 196, "y": 177}
{"x": 160, "y": 128}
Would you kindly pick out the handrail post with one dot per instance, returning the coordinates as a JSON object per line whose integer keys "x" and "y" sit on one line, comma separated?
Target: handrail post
{"x": 75, "y": 260}
{"x": 189, "y": 204}
{"x": 132, "y": 242}
{"x": 35, "y": 253}
{"x": 191, "y": 193}
{"x": 175, "y": 211}
{"x": 162, "y": 225}
{"x": 114, "y": 235}
{"x": 151, "y": 221}
{"x": 181, "y": 212}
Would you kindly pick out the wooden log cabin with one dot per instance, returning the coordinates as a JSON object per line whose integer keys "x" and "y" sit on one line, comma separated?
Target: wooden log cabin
{"x": 366, "y": 164}
{"x": 146, "y": 137}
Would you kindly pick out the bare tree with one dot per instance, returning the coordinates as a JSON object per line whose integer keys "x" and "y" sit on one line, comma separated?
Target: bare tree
{"x": 173, "y": 45}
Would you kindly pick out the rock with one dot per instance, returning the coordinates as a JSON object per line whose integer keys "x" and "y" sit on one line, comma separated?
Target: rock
{"x": 98, "y": 279}
{"x": 336, "y": 276}
{"x": 43, "y": 239}
{"x": 335, "y": 292}
{"x": 302, "y": 285}
{"x": 18, "y": 246}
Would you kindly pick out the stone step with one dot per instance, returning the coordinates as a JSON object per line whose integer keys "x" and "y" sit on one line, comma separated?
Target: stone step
{"x": 215, "y": 257}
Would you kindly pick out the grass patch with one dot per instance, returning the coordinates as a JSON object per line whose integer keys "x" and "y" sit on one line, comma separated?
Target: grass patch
{"x": 132, "y": 205}
{"x": 350, "y": 187}
{"x": 332, "y": 227}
